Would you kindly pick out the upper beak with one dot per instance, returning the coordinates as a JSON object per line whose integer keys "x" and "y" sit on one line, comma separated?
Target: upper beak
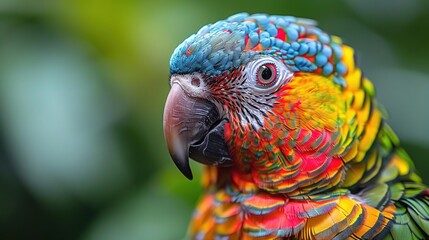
{"x": 193, "y": 126}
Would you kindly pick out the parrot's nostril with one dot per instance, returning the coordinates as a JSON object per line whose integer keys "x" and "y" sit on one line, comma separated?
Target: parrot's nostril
{"x": 195, "y": 82}
{"x": 192, "y": 84}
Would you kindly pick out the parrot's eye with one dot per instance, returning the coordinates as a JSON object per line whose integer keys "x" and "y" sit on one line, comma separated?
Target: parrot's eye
{"x": 267, "y": 73}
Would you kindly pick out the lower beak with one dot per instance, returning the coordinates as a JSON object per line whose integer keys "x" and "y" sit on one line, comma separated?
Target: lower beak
{"x": 193, "y": 126}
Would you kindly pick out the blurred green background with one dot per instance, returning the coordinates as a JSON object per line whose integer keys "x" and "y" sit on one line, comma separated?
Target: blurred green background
{"x": 82, "y": 89}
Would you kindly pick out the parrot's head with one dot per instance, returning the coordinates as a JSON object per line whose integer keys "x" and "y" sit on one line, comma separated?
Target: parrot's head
{"x": 254, "y": 88}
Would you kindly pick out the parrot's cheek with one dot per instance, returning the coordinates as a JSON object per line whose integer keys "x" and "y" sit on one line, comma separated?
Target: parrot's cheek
{"x": 193, "y": 127}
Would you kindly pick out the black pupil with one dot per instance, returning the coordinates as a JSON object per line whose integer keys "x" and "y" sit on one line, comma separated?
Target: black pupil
{"x": 266, "y": 73}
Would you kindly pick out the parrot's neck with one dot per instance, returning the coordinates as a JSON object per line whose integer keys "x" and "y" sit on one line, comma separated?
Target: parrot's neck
{"x": 294, "y": 162}
{"x": 249, "y": 181}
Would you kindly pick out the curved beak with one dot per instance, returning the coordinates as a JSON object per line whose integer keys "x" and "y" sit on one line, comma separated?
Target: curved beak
{"x": 193, "y": 127}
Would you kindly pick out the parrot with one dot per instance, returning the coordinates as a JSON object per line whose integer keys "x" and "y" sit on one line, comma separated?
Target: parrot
{"x": 293, "y": 142}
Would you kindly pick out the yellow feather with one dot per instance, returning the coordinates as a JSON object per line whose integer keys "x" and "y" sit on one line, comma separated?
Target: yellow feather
{"x": 352, "y": 152}
{"x": 354, "y": 174}
{"x": 371, "y": 131}
{"x": 359, "y": 99}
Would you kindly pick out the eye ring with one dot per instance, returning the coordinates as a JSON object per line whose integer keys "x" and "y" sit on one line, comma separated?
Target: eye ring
{"x": 259, "y": 78}
{"x": 266, "y": 74}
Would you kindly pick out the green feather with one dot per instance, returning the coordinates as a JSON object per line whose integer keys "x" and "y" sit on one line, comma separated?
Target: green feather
{"x": 376, "y": 196}
{"x": 397, "y": 191}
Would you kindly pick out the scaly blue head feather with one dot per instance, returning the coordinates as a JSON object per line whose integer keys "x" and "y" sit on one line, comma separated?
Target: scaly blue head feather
{"x": 227, "y": 44}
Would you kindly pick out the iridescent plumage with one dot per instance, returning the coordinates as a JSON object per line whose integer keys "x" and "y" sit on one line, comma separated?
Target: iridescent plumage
{"x": 312, "y": 157}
